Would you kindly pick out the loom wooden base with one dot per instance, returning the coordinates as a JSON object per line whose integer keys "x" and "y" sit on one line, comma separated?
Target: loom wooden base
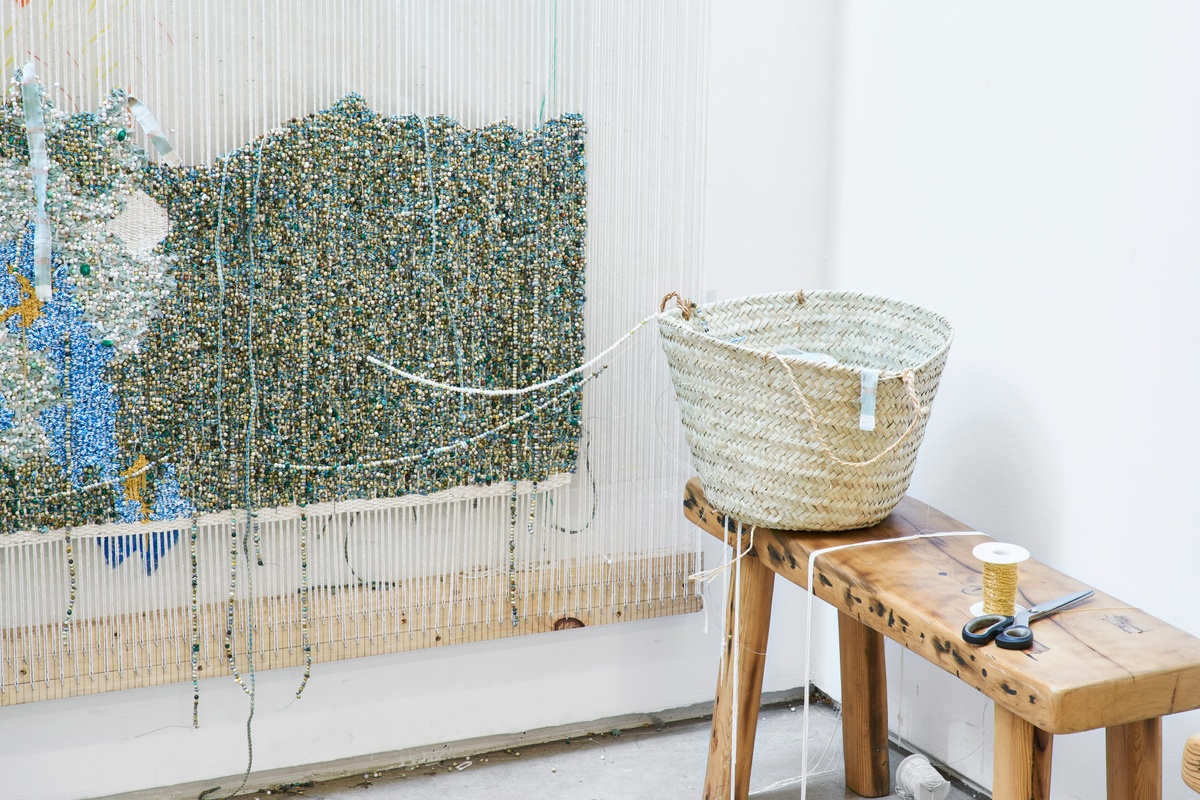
{"x": 1105, "y": 666}
{"x": 153, "y": 648}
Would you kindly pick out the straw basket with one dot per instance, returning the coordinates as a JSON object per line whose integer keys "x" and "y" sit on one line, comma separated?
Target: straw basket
{"x": 775, "y": 438}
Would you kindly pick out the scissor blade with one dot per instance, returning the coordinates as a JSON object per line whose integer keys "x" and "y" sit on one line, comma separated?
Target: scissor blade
{"x": 1049, "y": 607}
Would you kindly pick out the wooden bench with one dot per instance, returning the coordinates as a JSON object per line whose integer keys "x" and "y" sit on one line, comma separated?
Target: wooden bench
{"x": 1105, "y": 665}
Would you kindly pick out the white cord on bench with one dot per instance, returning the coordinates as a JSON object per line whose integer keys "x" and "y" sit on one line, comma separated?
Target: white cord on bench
{"x": 812, "y": 560}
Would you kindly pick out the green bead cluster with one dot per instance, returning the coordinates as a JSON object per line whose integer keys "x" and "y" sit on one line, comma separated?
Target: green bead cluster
{"x": 454, "y": 253}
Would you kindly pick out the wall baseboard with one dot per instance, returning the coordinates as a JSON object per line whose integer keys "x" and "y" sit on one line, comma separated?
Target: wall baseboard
{"x": 416, "y": 756}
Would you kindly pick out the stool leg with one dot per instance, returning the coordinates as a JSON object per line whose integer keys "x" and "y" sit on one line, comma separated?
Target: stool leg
{"x": 1021, "y": 762}
{"x": 864, "y": 708}
{"x": 1135, "y": 760}
{"x": 756, "y": 586}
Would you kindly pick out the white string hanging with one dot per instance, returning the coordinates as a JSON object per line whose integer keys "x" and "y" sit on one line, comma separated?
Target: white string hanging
{"x": 808, "y": 624}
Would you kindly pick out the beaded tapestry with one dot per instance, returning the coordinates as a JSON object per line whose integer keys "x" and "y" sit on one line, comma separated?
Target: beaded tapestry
{"x": 219, "y": 450}
{"x": 225, "y": 367}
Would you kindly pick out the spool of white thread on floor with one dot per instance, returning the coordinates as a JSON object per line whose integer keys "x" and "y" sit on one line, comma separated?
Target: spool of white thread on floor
{"x": 916, "y": 779}
{"x": 1000, "y": 562}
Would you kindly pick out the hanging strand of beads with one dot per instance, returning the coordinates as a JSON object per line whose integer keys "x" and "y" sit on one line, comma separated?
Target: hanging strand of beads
{"x": 68, "y": 544}
{"x": 512, "y": 557}
{"x": 304, "y": 602}
{"x": 231, "y": 606}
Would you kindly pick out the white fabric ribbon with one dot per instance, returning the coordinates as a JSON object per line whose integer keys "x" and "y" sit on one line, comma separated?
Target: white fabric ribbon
{"x": 153, "y": 132}
{"x": 866, "y": 413}
{"x": 39, "y": 165}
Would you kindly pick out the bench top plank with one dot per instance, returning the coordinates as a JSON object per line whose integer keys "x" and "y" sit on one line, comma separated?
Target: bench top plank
{"x": 1102, "y": 664}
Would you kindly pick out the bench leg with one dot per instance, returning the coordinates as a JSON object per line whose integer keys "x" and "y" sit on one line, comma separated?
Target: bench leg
{"x": 1021, "y": 762}
{"x": 864, "y": 708}
{"x": 756, "y": 585}
{"x": 1135, "y": 760}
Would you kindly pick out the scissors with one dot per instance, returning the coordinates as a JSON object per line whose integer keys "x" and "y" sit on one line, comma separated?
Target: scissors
{"x": 1013, "y": 632}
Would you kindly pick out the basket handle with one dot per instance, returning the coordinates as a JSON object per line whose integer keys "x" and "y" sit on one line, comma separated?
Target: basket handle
{"x": 682, "y": 304}
{"x": 918, "y": 411}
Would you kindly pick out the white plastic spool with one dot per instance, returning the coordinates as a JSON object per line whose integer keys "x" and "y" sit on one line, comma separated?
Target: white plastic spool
{"x": 916, "y": 779}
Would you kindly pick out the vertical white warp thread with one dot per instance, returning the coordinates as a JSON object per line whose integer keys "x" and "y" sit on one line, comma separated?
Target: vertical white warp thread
{"x": 737, "y": 647}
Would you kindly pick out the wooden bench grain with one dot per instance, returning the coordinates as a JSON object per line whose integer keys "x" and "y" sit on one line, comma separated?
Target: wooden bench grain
{"x": 1105, "y": 665}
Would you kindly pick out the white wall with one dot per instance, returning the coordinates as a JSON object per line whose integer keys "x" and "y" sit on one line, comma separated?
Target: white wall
{"x": 1032, "y": 171}
{"x": 769, "y": 138}
{"x": 770, "y": 129}
{"x": 771, "y": 72}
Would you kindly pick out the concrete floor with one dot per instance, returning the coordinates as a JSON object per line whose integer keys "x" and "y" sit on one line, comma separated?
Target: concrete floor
{"x": 650, "y": 763}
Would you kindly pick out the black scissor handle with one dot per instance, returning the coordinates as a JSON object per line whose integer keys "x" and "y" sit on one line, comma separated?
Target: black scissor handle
{"x": 1018, "y": 637}
{"x": 983, "y": 629}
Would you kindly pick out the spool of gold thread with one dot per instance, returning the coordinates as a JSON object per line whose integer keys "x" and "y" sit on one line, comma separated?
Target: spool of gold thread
{"x": 1000, "y": 562}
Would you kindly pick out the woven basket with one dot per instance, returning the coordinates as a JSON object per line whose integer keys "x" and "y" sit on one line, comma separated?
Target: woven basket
{"x": 776, "y": 439}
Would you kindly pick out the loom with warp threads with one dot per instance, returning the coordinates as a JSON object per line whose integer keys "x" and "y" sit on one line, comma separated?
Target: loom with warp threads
{"x": 221, "y": 483}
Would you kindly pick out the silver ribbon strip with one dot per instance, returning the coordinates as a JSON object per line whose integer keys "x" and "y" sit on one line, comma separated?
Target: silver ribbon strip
{"x": 39, "y": 164}
{"x": 153, "y": 132}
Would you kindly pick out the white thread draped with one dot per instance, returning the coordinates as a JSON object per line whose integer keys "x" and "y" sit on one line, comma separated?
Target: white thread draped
{"x": 812, "y": 560}
{"x": 533, "y": 387}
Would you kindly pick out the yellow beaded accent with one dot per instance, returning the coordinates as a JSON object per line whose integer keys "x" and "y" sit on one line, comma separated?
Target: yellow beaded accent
{"x": 135, "y": 484}
{"x": 29, "y": 309}
{"x": 999, "y": 588}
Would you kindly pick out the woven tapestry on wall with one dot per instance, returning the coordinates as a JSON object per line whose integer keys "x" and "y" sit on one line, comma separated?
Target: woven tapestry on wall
{"x": 227, "y": 366}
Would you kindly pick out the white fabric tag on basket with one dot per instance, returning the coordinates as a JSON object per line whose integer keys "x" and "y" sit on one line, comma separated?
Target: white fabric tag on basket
{"x": 866, "y": 415}
{"x": 816, "y": 358}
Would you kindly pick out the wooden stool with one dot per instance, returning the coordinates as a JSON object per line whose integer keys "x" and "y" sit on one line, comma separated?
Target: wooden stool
{"x": 1105, "y": 665}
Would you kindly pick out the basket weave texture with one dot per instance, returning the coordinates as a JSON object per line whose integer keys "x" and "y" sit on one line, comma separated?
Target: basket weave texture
{"x": 776, "y": 439}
